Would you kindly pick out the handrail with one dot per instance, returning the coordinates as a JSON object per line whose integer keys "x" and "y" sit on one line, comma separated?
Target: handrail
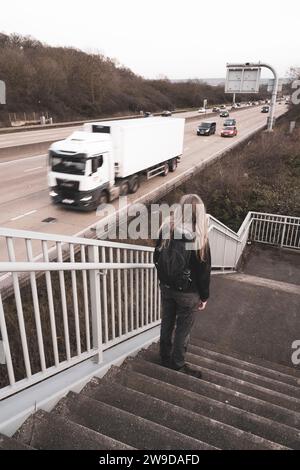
{"x": 17, "y": 267}
{"x": 41, "y": 236}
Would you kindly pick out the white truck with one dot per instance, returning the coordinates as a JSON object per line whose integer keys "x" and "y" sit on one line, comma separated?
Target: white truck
{"x": 111, "y": 158}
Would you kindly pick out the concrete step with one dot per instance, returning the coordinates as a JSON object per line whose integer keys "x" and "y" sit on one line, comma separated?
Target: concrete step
{"x": 245, "y": 365}
{"x": 206, "y": 406}
{"x": 9, "y": 443}
{"x": 247, "y": 376}
{"x": 123, "y": 426}
{"x": 235, "y": 370}
{"x": 217, "y": 392}
{"x": 284, "y": 372}
{"x": 47, "y": 431}
{"x": 209, "y": 374}
{"x": 175, "y": 417}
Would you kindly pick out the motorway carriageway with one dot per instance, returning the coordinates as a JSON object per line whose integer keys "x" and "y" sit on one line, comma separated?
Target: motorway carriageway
{"x": 24, "y": 197}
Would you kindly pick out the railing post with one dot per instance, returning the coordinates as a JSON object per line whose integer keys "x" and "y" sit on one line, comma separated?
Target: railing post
{"x": 283, "y": 232}
{"x": 93, "y": 254}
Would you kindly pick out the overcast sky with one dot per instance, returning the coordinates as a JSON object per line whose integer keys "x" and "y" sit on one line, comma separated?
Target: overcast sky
{"x": 179, "y": 39}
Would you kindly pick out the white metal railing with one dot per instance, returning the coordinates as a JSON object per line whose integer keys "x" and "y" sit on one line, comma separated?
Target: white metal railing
{"x": 273, "y": 229}
{"x": 84, "y": 296}
{"x": 91, "y": 296}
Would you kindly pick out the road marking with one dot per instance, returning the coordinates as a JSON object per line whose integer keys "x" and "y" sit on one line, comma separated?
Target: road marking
{"x": 23, "y": 215}
{"x": 33, "y": 169}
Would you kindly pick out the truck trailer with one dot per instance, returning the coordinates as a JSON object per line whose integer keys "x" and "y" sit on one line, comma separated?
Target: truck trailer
{"x": 105, "y": 160}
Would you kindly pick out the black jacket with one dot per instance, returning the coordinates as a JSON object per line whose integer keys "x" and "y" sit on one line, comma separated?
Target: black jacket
{"x": 200, "y": 271}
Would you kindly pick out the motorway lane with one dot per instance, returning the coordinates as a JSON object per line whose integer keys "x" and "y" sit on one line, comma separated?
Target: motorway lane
{"x": 33, "y": 137}
{"x": 24, "y": 199}
{"x": 53, "y": 134}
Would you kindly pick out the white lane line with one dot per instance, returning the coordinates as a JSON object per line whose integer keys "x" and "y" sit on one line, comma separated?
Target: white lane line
{"x": 23, "y": 215}
{"x": 33, "y": 169}
{"x": 13, "y": 162}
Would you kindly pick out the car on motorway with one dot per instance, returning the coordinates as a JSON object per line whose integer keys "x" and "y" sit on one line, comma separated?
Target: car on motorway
{"x": 265, "y": 109}
{"x": 166, "y": 113}
{"x": 207, "y": 128}
{"x": 148, "y": 114}
{"x": 229, "y": 131}
{"x": 229, "y": 122}
{"x": 215, "y": 109}
{"x": 238, "y": 105}
{"x": 224, "y": 113}
{"x": 202, "y": 111}
{"x": 223, "y": 106}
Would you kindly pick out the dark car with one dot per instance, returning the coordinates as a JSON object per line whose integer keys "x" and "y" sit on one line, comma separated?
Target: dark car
{"x": 207, "y": 128}
{"x": 166, "y": 113}
{"x": 229, "y": 122}
{"x": 224, "y": 113}
{"x": 229, "y": 131}
{"x": 215, "y": 109}
{"x": 265, "y": 109}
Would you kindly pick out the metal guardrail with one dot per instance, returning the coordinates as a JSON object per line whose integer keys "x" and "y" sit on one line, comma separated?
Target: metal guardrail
{"x": 95, "y": 294}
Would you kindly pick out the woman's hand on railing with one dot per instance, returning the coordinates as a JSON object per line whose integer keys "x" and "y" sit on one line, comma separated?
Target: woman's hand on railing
{"x": 202, "y": 305}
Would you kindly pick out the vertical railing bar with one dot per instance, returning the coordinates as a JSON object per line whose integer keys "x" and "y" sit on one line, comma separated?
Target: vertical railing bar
{"x": 75, "y": 301}
{"x": 4, "y": 335}
{"x": 155, "y": 295}
{"x": 85, "y": 300}
{"x": 64, "y": 307}
{"x": 50, "y": 304}
{"x": 105, "y": 306}
{"x": 36, "y": 308}
{"x": 137, "y": 291}
{"x": 19, "y": 306}
{"x": 288, "y": 235}
{"x": 112, "y": 295}
{"x": 151, "y": 289}
{"x": 142, "y": 291}
{"x": 93, "y": 256}
{"x": 125, "y": 291}
{"x": 265, "y": 229}
{"x": 119, "y": 294}
{"x": 131, "y": 274}
{"x": 268, "y": 229}
{"x": 292, "y": 237}
{"x": 147, "y": 289}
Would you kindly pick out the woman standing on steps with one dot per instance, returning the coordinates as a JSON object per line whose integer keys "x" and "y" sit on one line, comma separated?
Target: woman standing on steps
{"x": 183, "y": 262}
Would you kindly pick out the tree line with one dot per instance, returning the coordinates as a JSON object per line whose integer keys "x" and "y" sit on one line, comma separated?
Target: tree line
{"x": 72, "y": 84}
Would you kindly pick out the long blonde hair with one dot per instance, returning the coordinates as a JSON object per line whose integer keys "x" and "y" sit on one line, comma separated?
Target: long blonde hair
{"x": 189, "y": 214}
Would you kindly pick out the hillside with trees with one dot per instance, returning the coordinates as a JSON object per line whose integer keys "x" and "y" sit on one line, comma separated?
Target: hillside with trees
{"x": 71, "y": 84}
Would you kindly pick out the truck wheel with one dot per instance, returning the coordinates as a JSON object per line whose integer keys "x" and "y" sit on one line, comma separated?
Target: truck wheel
{"x": 173, "y": 165}
{"x": 103, "y": 198}
{"x": 124, "y": 189}
{"x": 166, "y": 169}
{"x": 134, "y": 184}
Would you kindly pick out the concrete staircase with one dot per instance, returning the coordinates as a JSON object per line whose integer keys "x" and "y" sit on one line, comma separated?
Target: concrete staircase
{"x": 238, "y": 404}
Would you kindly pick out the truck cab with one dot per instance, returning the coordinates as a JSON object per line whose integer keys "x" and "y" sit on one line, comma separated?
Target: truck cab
{"x": 81, "y": 170}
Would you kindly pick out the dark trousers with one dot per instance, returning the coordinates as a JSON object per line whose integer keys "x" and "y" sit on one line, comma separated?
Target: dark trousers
{"x": 178, "y": 314}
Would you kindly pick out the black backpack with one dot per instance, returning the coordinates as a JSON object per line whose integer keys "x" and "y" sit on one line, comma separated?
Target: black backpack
{"x": 173, "y": 264}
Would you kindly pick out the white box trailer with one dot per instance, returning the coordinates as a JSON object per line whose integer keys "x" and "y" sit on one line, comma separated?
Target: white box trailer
{"x": 111, "y": 158}
{"x": 141, "y": 143}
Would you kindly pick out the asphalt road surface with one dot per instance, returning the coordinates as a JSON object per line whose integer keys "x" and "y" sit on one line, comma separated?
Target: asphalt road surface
{"x": 24, "y": 196}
